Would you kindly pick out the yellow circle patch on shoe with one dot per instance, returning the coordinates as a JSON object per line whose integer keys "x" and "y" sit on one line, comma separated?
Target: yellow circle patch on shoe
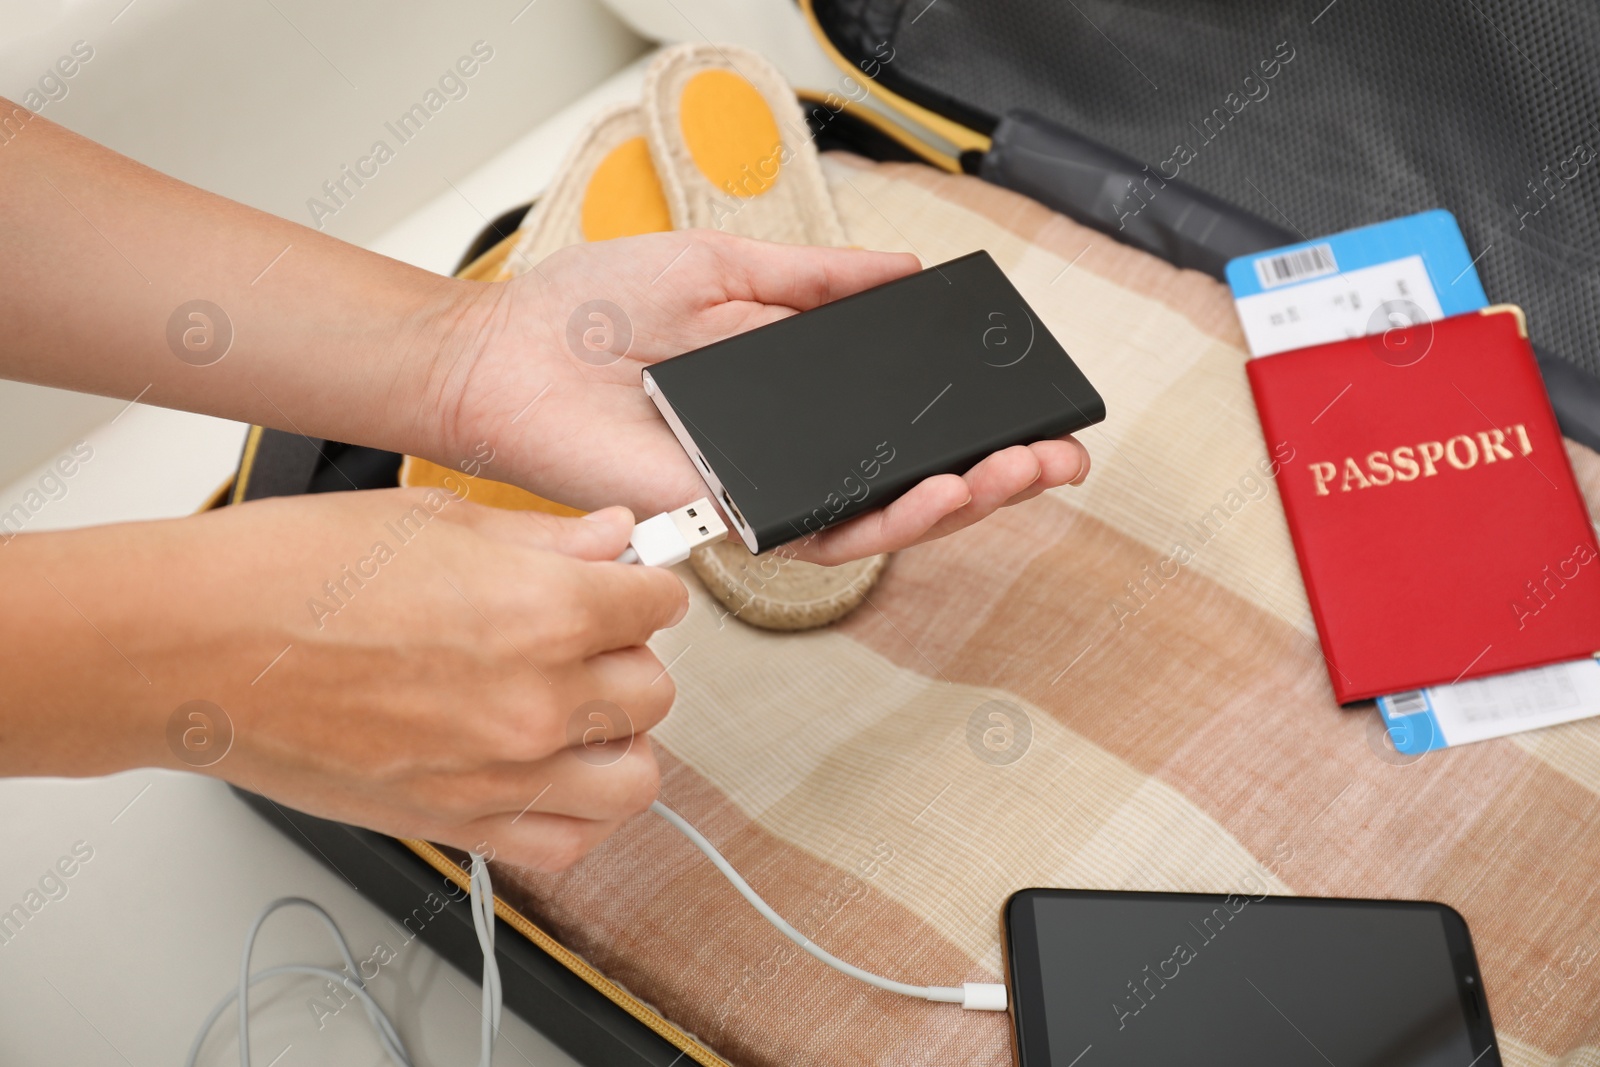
{"x": 730, "y": 132}
{"x": 624, "y": 196}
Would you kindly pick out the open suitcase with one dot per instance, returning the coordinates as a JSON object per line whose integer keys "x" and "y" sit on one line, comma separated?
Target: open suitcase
{"x": 1303, "y": 120}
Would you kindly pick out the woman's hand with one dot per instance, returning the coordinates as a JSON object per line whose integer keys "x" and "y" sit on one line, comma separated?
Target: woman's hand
{"x": 398, "y": 659}
{"x": 318, "y": 337}
{"x": 435, "y": 671}
{"x": 549, "y": 379}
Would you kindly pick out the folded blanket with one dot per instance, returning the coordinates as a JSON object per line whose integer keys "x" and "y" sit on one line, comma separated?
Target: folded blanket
{"x": 1112, "y": 686}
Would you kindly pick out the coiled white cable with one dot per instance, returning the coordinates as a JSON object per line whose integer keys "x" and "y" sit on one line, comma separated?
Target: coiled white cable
{"x": 481, "y": 900}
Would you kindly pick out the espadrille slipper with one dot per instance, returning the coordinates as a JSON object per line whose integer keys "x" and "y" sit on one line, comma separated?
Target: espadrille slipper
{"x": 624, "y": 177}
{"x": 733, "y": 149}
{"x": 735, "y": 154}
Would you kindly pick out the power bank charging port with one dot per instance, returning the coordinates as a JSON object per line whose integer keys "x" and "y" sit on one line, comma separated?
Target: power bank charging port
{"x": 727, "y": 502}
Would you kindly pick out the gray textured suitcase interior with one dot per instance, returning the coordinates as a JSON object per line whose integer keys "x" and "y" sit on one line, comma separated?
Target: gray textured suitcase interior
{"x": 1385, "y": 109}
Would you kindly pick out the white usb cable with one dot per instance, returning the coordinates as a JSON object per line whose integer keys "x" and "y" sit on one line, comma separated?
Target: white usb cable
{"x": 660, "y": 541}
{"x": 667, "y": 539}
{"x": 975, "y": 996}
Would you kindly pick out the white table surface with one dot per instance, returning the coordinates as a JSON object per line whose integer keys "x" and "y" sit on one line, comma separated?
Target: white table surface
{"x": 122, "y": 968}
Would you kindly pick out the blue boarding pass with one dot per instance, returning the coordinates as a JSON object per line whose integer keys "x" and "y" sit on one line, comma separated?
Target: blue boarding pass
{"x": 1363, "y": 281}
{"x": 1500, "y": 704}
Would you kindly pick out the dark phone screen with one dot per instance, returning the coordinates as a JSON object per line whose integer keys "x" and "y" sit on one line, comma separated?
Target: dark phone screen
{"x": 1132, "y": 980}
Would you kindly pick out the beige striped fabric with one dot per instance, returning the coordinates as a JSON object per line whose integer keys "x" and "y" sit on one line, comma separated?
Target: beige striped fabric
{"x": 1030, "y": 702}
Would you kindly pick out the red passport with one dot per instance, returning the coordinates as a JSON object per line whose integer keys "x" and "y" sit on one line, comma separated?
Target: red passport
{"x": 1438, "y": 525}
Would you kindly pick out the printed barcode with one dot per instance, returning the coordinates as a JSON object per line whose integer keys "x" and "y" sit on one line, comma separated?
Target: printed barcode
{"x": 1411, "y": 703}
{"x": 1310, "y": 262}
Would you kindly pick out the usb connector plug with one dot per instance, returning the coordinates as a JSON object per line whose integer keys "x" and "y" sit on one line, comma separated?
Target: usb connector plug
{"x": 668, "y": 538}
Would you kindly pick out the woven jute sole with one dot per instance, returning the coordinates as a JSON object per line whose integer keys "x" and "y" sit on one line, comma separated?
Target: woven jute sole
{"x": 775, "y": 592}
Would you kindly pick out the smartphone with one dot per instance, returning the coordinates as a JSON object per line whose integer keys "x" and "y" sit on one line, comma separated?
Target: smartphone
{"x": 1113, "y": 979}
{"x": 813, "y": 419}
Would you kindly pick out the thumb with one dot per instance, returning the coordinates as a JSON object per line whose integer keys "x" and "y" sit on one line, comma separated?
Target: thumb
{"x": 599, "y": 535}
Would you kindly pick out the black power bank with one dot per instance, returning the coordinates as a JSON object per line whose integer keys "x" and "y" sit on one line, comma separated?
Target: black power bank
{"x": 811, "y": 420}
